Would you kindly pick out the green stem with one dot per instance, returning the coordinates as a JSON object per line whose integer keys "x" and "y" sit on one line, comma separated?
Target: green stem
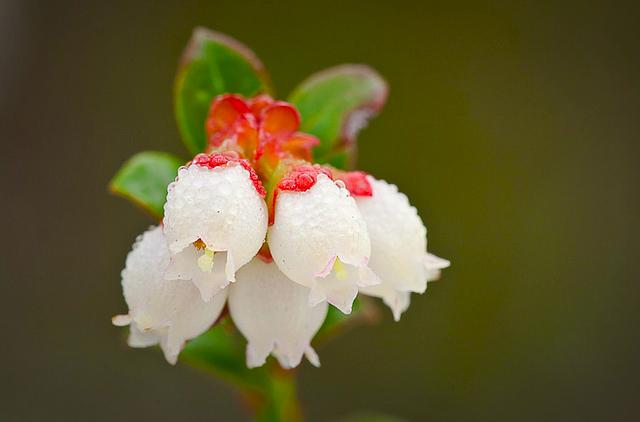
{"x": 278, "y": 400}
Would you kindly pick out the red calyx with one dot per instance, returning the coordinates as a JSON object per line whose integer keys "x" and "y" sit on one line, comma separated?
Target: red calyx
{"x": 222, "y": 159}
{"x": 229, "y": 116}
{"x": 302, "y": 178}
{"x": 356, "y": 183}
{"x": 259, "y": 103}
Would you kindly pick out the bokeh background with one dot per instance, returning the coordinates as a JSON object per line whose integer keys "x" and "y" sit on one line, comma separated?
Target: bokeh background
{"x": 512, "y": 126}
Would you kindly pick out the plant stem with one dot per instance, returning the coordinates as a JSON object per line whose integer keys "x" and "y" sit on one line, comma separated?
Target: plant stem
{"x": 278, "y": 400}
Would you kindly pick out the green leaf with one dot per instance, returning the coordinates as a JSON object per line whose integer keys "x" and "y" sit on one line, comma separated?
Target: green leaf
{"x": 212, "y": 64}
{"x": 144, "y": 178}
{"x": 335, "y": 104}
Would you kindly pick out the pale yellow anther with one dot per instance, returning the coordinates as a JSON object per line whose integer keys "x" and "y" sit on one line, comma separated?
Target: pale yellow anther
{"x": 338, "y": 268}
{"x": 205, "y": 262}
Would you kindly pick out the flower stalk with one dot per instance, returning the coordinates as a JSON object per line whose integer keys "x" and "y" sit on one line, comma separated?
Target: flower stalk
{"x": 279, "y": 401}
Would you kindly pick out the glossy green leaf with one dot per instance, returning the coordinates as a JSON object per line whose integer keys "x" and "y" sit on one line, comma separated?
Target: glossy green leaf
{"x": 212, "y": 64}
{"x": 144, "y": 178}
{"x": 335, "y": 104}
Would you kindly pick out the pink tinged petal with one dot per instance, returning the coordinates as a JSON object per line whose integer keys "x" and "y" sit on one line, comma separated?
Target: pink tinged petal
{"x": 339, "y": 293}
{"x": 327, "y": 268}
{"x": 163, "y": 311}
{"x": 184, "y": 266}
{"x": 310, "y": 230}
{"x": 273, "y": 314}
{"x": 336, "y": 287}
{"x": 219, "y": 206}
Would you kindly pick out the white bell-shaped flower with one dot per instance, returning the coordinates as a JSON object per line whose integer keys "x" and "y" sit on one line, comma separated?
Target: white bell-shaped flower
{"x": 274, "y": 315}
{"x": 167, "y": 312}
{"x": 399, "y": 254}
{"x": 213, "y": 208}
{"x": 319, "y": 239}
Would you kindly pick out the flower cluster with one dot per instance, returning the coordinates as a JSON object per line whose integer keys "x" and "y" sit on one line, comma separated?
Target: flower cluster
{"x": 254, "y": 224}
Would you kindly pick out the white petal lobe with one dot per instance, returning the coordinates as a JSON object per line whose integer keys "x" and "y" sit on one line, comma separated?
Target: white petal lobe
{"x": 184, "y": 266}
{"x": 273, "y": 314}
{"x": 398, "y": 301}
{"x": 162, "y": 311}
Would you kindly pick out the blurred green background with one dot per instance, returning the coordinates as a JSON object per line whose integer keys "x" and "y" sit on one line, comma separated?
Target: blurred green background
{"x": 512, "y": 126}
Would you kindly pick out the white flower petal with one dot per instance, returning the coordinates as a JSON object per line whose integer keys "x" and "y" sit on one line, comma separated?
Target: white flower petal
{"x": 398, "y": 246}
{"x": 312, "y": 357}
{"x": 219, "y": 206}
{"x": 165, "y": 311}
{"x": 184, "y": 266}
{"x": 121, "y": 320}
{"x": 320, "y": 240}
{"x": 433, "y": 264}
{"x": 272, "y": 313}
{"x": 138, "y": 338}
{"x": 340, "y": 292}
{"x": 398, "y": 301}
